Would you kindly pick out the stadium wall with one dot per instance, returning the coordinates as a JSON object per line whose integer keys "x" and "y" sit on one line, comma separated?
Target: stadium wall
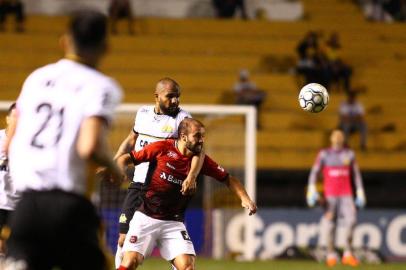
{"x": 280, "y": 228}
{"x": 271, "y": 9}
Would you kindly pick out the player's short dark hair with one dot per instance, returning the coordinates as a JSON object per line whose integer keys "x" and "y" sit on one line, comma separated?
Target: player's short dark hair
{"x": 186, "y": 124}
{"x": 11, "y": 108}
{"x": 88, "y": 29}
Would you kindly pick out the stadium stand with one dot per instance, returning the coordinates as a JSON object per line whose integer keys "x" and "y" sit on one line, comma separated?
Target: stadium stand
{"x": 204, "y": 56}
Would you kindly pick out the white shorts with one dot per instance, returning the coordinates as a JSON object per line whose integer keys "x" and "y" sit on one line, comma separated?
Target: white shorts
{"x": 169, "y": 236}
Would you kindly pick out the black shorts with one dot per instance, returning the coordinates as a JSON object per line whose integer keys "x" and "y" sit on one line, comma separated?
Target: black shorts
{"x": 56, "y": 229}
{"x": 132, "y": 202}
{"x": 4, "y": 218}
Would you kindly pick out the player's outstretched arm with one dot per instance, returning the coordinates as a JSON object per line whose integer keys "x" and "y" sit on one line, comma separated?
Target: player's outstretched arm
{"x": 189, "y": 185}
{"x": 92, "y": 145}
{"x": 237, "y": 188}
{"x": 123, "y": 161}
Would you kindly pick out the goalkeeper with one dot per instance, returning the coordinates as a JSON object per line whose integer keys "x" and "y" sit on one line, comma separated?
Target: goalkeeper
{"x": 338, "y": 167}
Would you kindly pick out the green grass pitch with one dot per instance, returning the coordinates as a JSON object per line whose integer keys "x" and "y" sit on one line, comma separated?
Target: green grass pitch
{"x": 203, "y": 264}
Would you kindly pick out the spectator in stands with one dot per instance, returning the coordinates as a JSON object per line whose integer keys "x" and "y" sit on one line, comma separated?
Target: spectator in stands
{"x": 339, "y": 70}
{"x": 15, "y": 7}
{"x": 352, "y": 119}
{"x": 384, "y": 10}
{"x": 120, "y": 9}
{"x": 227, "y": 8}
{"x": 247, "y": 93}
{"x": 313, "y": 63}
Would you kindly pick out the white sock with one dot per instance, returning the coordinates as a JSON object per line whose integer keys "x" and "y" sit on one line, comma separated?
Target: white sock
{"x": 347, "y": 253}
{"x": 119, "y": 256}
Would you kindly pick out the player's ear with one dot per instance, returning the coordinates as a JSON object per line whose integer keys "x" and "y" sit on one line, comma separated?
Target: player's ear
{"x": 183, "y": 137}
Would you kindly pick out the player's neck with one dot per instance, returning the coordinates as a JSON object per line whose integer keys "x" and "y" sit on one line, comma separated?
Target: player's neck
{"x": 76, "y": 58}
{"x": 182, "y": 148}
{"x": 157, "y": 110}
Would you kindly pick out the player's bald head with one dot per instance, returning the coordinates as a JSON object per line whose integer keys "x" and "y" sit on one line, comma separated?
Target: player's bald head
{"x": 189, "y": 124}
{"x": 166, "y": 84}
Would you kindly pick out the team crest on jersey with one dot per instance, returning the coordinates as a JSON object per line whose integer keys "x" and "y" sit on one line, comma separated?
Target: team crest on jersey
{"x": 172, "y": 154}
{"x": 167, "y": 129}
{"x": 123, "y": 219}
{"x": 346, "y": 159}
{"x": 133, "y": 239}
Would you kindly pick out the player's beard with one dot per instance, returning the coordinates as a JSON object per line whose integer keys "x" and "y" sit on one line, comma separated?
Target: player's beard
{"x": 171, "y": 110}
{"x": 195, "y": 148}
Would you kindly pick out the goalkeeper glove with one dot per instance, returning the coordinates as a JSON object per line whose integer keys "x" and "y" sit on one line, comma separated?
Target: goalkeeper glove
{"x": 360, "y": 200}
{"x": 312, "y": 195}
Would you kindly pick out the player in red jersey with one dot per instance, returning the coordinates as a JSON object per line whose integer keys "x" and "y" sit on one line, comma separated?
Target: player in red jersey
{"x": 338, "y": 168}
{"x": 159, "y": 220}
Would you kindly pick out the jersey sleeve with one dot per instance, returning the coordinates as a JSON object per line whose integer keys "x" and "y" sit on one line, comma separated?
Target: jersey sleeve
{"x": 212, "y": 169}
{"x": 148, "y": 153}
{"x": 138, "y": 123}
{"x": 356, "y": 174}
{"x": 104, "y": 101}
{"x": 183, "y": 114}
{"x": 316, "y": 168}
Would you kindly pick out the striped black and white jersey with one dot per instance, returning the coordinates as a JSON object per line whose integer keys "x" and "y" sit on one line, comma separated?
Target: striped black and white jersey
{"x": 52, "y": 105}
{"x": 152, "y": 127}
{"x": 8, "y": 194}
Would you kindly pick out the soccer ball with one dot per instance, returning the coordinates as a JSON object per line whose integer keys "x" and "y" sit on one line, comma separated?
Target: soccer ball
{"x": 313, "y": 97}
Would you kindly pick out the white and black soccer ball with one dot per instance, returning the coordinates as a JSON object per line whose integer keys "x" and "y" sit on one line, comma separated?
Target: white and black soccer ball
{"x": 313, "y": 97}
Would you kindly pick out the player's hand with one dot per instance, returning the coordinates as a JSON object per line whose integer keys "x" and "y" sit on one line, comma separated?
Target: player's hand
{"x": 360, "y": 199}
{"x": 312, "y": 196}
{"x": 250, "y": 206}
{"x": 189, "y": 186}
{"x": 103, "y": 174}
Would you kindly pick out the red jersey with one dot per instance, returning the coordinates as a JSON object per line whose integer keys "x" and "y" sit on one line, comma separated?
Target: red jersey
{"x": 339, "y": 168}
{"x": 168, "y": 168}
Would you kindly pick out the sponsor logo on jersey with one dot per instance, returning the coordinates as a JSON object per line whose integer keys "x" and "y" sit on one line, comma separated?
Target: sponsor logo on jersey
{"x": 220, "y": 168}
{"x": 338, "y": 172}
{"x": 133, "y": 239}
{"x": 167, "y": 129}
{"x": 185, "y": 235}
{"x": 123, "y": 218}
{"x": 172, "y": 154}
{"x": 170, "y": 178}
{"x": 170, "y": 166}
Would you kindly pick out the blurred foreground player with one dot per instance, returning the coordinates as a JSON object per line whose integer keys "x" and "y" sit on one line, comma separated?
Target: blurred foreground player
{"x": 63, "y": 113}
{"x": 159, "y": 220}
{"x": 8, "y": 195}
{"x": 339, "y": 168}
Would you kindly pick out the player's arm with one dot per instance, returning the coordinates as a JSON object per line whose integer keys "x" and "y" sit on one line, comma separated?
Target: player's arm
{"x": 312, "y": 195}
{"x": 360, "y": 199}
{"x": 11, "y": 128}
{"x": 147, "y": 154}
{"x": 92, "y": 145}
{"x": 127, "y": 145}
{"x": 238, "y": 189}
{"x": 189, "y": 185}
